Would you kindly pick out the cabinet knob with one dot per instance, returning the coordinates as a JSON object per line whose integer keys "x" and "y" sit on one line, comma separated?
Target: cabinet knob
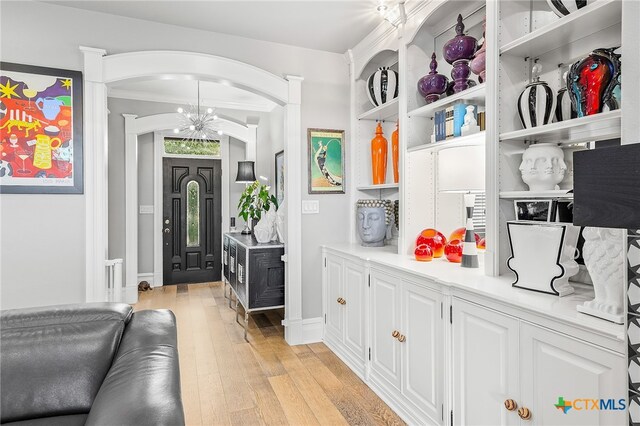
{"x": 343, "y": 302}
{"x": 402, "y": 338}
{"x": 395, "y": 334}
{"x": 510, "y": 405}
{"x": 524, "y": 413}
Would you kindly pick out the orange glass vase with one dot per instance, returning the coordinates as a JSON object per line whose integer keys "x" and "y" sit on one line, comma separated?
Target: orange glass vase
{"x": 379, "y": 157}
{"x": 395, "y": 154}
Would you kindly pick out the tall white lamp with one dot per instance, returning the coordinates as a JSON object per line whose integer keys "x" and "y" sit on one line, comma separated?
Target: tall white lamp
{"x": 461, "y": 170}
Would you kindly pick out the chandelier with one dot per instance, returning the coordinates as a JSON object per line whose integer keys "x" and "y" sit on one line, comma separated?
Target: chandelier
{"x": 196, "y": 125}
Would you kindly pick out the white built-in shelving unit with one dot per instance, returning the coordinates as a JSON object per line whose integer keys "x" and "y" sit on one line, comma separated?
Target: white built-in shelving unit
{"x": 518, "y": 33}
{"x": 555, "y": 43}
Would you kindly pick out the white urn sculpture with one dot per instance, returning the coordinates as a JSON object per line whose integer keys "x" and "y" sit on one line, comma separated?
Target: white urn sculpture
{"x": 543, "y": 167}
{"x": 265, "y": 231}
{"x": 604, "y": 258}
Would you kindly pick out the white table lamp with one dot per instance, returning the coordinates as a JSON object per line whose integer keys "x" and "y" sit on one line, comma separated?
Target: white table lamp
{"x": 461, "y": 170}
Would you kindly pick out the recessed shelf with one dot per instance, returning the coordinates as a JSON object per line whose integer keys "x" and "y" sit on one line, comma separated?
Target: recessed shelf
{"x": 386, "y": 111}
{"x": 474, "y": 139}
{"x": 523, "y": 195}
{"x": 605, "y": 125}
{"x": 474, "y": 94}
{"x": 590, "y": 19}
{"x": 377, "y": 187}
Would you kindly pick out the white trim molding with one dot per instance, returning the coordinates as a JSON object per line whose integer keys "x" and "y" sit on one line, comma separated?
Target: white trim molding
{"x": 312, "y": 330}
{"x": 293, "y": 152}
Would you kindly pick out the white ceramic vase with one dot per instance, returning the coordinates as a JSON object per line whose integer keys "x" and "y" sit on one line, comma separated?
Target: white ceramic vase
{"x": 265, "y": 231}
{"x": 604, "y": 258}
{"x": 543, "y": 255}
{"x": 543, "y": 167}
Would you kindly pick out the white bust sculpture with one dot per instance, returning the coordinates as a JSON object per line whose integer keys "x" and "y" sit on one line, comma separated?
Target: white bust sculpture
{"x": 543, "y": 166}
{"x": 470, "y": 125}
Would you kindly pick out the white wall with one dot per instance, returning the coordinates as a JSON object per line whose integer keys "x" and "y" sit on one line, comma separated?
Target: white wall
{"x": 325, "y": 103}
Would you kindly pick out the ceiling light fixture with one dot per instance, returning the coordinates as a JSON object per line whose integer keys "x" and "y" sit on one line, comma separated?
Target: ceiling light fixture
{"x": 395, "y": 16}
{"x": 196, "y": 125}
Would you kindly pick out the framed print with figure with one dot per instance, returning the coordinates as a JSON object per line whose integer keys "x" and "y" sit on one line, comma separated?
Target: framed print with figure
{"x": 326, "y": 161}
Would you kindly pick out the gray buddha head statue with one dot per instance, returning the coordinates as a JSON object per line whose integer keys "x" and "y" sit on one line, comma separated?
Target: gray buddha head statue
{"x": 372, "y": 228}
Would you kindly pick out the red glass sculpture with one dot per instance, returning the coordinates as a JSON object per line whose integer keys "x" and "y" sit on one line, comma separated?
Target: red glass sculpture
{"x": 591, "y": 81}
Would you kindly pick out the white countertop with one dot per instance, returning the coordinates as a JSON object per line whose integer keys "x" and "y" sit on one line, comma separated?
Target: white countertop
{"x": 498, "y": 289}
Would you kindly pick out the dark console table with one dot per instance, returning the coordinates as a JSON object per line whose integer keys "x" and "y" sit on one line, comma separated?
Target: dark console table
{"x": 254, "y": 272}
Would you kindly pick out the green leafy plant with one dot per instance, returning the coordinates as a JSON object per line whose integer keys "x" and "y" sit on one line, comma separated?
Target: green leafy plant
{"x": 254, "y": 200}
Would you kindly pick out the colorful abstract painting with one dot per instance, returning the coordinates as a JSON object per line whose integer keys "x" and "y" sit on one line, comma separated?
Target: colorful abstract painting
{"x": 40, "y": 130}
{"x": 326, "y": 161}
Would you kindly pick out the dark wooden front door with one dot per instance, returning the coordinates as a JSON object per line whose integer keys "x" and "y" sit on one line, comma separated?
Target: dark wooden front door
{"x": 192, "y": 220}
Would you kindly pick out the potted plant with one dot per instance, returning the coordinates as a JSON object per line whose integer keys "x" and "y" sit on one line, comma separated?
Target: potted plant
{"x": 254, "y": 200}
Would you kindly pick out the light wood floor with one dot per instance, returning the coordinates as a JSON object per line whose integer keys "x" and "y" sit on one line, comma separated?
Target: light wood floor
{"x": 226, "y": 380}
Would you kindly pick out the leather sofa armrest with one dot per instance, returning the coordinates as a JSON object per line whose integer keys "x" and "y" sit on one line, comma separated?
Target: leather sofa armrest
{"x": 143, "y": 385}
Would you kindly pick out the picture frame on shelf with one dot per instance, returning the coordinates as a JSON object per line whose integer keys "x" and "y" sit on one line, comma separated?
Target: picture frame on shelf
{"x": 40, "y": 130}
{"x": 326, "y": 167}
{"x": 279, "y": 176}
{"x": 534, "y": 210}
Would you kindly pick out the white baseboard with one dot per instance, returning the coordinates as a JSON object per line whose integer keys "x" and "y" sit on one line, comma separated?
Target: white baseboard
{"x": 303, "y": 331}
{"x": 312, "y": 330}
{"x": 148, "y": 277}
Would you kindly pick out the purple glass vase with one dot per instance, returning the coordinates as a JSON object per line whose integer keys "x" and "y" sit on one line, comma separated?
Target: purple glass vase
{"x": 432, "y": 85}
{"x": 458, "y": 52}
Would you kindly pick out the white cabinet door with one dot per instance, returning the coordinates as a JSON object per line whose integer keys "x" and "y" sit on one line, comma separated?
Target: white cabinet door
{"x": 385, "y": 318}
{"x": 355, "y": 295}
{"x": 485, "y": 365}
{"x": 423, "y": 349}
{"x": 334, "y": 275}
{"x": 554, "y": 366}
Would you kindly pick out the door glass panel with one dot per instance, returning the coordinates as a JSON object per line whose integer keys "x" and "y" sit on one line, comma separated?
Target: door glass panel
{"x": 193, "y": 214}
{"x": 192, "y": 147}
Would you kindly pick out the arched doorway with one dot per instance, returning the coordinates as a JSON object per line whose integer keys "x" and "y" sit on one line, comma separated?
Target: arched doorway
{"x": 135, "y": 126}
{"x": 101, "y": 69}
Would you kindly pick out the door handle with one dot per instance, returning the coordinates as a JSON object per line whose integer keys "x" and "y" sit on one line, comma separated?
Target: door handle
{"x": 167, "y": 230}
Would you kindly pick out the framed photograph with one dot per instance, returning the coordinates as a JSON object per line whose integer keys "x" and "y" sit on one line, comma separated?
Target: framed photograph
{"x": 40, "y": 130}
{"x": 535, "y": 210}
{"x": 279, "y": 180}
{"x": 326, "y": 161}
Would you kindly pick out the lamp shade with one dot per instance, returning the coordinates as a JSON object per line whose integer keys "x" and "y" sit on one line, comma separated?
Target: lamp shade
{"x": 246, "y": 173}
{"x": 461, "y": 169}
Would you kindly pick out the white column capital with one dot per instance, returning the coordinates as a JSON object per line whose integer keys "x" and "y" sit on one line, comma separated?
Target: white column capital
{"x": 295, "y": 92}
{"x": 93, "y": 70}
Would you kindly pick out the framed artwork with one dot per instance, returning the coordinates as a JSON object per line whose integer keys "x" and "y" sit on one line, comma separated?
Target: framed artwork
{"x": 326, "y": 161}
{"x": 40, "y": 130}
{"x": 280, "y": 177}
{"x": 535, "y": 210}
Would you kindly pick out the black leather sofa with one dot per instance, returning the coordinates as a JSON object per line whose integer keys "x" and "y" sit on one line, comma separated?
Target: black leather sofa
{"x": 93, "y": 364}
